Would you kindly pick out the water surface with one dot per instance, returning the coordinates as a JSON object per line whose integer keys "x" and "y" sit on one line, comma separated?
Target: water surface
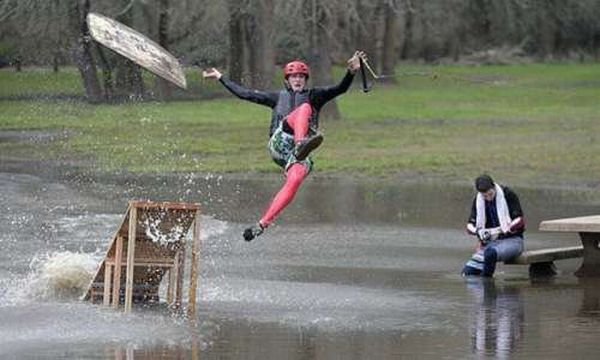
{"x": 354, "y": 270}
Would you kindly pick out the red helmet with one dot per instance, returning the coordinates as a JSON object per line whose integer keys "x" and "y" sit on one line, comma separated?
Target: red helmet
{"x": 296, "y": 67}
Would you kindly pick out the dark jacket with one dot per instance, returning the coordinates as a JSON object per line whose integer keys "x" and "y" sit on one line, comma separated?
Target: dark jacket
{"x": 285, "y": 101}
{"x": 491, "y": 219}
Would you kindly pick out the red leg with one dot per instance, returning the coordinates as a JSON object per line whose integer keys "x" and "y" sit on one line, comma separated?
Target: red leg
{"x": 298, "y": 120}
{"x": 294, "y": 178}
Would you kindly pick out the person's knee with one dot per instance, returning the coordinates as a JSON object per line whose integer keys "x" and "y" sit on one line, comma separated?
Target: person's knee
{"x": 305, "y": 108}
{"x": 296, "y": 175}
{"x": 301, "y": 113}
{"x": 490, "y": 255}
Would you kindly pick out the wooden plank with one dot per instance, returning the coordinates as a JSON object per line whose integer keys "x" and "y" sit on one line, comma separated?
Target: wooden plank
{"x": 194, "y": 268}
{"x": 180, "y": 269}
{"x": 147, "y": 262}
{"x": 547, "y": 255}
{"x": 171, "y": 284}
{"x": 164, "y": 205}
{"x": 117, "y": 272}
{"x": 112, "y": 244}
{"x": 575, "y": 224}
{"x": 107, "y": 284}
{"x": 130, "y": 259}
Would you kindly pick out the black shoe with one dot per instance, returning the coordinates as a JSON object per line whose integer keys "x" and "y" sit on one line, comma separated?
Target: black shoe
{"x": 253, "y": 231}
{"x": 306, "y": 146}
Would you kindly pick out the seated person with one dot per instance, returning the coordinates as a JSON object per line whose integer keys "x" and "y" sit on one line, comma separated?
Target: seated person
{"x": 497, "y": 221}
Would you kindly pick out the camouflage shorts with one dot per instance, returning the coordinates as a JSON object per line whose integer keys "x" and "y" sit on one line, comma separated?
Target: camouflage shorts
{"x": 281, "y": 148}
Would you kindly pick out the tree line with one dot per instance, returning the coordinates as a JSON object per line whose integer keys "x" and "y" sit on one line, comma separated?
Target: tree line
{"x": 251, "y": 38}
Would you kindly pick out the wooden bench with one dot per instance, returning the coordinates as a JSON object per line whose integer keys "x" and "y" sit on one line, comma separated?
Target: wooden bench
{"x": 541, "y": 261}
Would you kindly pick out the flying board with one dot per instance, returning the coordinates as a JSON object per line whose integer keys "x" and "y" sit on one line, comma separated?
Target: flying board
{"x": 136, "y": 47}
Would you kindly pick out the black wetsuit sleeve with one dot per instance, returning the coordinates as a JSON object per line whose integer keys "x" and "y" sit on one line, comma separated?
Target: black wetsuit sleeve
{"x": 256, "y": 96}
{"x": 321, "y": 95}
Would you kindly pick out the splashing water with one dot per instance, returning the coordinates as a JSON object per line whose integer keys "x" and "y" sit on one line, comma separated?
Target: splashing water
{"x": 161, "y": 234}
{"x": 60, "y": 275}
{"x": 157, "y": 233}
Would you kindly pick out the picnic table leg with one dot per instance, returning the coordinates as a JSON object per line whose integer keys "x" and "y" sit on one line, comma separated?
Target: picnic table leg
{"x": 591, "y": 255}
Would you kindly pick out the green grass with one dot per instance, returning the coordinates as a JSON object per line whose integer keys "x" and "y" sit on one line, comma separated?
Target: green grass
{"x": 40, "y": 81}
{"x": 525, "y": 123}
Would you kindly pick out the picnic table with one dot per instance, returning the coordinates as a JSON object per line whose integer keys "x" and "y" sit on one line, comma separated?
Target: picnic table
{"x": 588, "y": 228}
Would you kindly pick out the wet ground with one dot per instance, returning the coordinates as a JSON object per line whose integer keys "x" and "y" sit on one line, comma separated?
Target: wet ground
{"x": 354, "y": 270}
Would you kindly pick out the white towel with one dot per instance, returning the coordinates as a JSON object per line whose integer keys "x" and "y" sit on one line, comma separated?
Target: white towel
{"x": 501, "y": 209}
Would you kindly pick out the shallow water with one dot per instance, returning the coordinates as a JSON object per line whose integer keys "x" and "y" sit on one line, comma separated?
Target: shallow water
{"x": 354, "y": 270}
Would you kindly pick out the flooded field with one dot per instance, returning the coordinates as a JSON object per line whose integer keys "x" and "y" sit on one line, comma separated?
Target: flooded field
{"x": 354, "y": 270}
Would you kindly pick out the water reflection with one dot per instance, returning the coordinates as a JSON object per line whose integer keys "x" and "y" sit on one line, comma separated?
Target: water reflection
{"x": 497, "y": 322}
{"x": 154, "y": 353}
{"x": 333, "y": 199}
{"x": 590, "y": 306}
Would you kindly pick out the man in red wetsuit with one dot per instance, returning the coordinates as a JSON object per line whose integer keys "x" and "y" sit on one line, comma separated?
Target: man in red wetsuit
{"x": 293, "y": 133}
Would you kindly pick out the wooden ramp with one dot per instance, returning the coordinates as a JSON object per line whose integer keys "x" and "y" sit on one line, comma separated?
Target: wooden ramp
{"x": 149, "y": 245}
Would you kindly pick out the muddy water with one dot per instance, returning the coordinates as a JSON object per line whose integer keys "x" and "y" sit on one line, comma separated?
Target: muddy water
{"x": 354, "y": 270}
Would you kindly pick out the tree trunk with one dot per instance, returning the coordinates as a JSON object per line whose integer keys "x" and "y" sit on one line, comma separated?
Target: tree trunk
{"x": 163, "y": 87}
{"x": 390, "y": 41}
{"x": 107, "y": 77}
{"x": 317, "y": 24}
{"x": 408, "y": 31}
{"x": 55, "y": 62}
{"x": 549, "y": 35}
{"x": 259, "y": 38}
{"x": 367, "y": 27}
{"x": 236, "y": 42}
{"x": 129, "y": 79}
{"x": 18, "y": 62}
{"x": 84, "y": 59}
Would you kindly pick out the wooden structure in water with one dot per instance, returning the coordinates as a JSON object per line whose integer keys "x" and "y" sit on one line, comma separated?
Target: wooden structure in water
{"x": 149, "y": 245}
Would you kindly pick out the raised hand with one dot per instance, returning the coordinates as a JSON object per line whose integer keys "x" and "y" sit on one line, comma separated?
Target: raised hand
{"x": 354, "y": 61}
{"x": 211, "y": 73}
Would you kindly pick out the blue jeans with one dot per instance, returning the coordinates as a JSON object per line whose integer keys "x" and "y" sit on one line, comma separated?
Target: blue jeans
{"x": 484, "y": 262}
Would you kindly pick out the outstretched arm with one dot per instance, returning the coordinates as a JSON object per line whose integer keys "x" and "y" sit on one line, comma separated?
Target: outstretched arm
{"x": 256, "y": 96}
{"x": 322, "y": 95}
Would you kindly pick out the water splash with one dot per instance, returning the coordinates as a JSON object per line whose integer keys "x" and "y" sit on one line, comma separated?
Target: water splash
{"x": 210, "y": 227}
{"x": 158, "y": 233}
{"x": 56, "y": 276}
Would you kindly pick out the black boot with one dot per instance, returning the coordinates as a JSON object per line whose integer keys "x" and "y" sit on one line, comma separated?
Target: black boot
{"x": 253, "y": 231}
{"x": 306, "y": 146}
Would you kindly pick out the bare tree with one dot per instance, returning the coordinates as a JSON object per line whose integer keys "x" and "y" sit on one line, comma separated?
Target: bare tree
{"x": 236, "y": 40}
{"x": 390, "y": 38}
{"x": 37, "y": 27}
{"x": 260, "y": 33}
{"x": 318, "y": 21}
{"x": 129, "y": 79}
{"x": 164, "y": 88}
{"x": 259, "y": 43}
{"x": 85, "y": 60}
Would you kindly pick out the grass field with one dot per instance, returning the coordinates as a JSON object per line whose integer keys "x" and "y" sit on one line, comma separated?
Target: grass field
{"x": 523, "y": 123}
